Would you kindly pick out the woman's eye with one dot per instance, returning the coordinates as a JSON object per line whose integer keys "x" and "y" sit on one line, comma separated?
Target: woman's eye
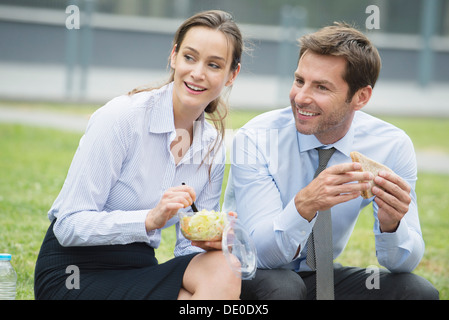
{"x": 188, "y": 57}
{"x": 214, "y": 66}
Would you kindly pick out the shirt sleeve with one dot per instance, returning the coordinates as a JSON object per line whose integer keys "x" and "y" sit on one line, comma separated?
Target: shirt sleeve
{"x": 96, "y": 166}
{"x": 277, "y": 230}
{"x": 402, "y": 250}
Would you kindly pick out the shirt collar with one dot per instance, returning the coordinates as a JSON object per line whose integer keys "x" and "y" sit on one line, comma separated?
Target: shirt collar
{"x": 162, "y": 118}
{"x": 309, "y": 142}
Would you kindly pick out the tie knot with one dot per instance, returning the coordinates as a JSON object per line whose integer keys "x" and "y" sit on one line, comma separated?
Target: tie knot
{"x": 324, "y": 156}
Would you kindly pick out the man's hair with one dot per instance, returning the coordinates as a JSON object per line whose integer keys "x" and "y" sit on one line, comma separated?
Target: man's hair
{"x": 363, "y": 61}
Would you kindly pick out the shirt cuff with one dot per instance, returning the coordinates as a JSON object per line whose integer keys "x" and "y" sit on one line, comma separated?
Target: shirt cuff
{"x": 386, "y": 240}
{"x": 134, "y": 228}
{"x": 294, "y": 228}
{"x": 390, "y": 247}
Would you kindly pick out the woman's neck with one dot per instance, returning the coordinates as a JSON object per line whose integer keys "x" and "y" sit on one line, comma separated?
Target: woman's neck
{"x": 184, "y": 122}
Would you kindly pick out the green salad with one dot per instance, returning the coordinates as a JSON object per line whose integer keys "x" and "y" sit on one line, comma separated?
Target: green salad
{"x": 204, "y": 225}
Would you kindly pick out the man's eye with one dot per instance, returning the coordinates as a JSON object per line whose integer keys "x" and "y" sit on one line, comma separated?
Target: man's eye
{"x": 322, "y": 88}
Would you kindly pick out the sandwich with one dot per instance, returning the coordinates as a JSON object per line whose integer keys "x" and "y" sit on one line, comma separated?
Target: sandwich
{"x": 368, "y": 165}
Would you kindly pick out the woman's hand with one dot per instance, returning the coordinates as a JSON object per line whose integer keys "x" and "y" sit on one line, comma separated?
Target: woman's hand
{"x": 172, "y": 200}
{"x": 207, "y": 245}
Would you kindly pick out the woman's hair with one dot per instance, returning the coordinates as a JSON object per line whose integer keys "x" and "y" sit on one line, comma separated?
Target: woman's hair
{"x": 363, "y": 60}
{"x": 217, "y": 109}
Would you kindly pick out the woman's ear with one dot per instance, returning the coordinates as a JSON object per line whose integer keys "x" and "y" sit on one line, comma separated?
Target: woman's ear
{"x": 233, "y": 76}
{"x": 173, "y": 55}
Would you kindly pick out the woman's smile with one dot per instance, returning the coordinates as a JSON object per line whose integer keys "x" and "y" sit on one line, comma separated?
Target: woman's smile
{"x": 194, "y": 89}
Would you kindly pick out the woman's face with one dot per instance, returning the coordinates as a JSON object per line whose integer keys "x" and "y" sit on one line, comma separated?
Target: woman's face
{"x": 201, "y": 68}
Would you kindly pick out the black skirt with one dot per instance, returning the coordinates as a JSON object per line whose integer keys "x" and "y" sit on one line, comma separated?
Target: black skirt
{"x": 110, "y": 272}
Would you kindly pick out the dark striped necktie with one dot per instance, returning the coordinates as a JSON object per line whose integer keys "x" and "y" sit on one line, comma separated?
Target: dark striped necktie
{"x": 319, "y": 244}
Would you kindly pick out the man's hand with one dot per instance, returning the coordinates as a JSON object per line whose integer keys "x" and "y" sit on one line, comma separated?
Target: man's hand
{"x": 393, "y": 201}
{"x": 331, "y": 187}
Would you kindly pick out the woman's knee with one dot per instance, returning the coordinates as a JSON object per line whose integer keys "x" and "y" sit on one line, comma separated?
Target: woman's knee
{"x": 219, "y": 269}
{"x": 209, "y": 274}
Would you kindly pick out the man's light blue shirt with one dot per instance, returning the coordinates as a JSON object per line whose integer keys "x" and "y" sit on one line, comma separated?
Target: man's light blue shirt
{"x": 271, "y": 161}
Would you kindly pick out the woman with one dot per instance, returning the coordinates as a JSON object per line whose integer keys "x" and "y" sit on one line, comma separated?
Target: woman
{"x": 125, "y": 182}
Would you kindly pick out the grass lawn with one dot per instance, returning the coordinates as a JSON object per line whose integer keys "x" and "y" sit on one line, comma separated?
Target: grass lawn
{"x": 34, "y": 162}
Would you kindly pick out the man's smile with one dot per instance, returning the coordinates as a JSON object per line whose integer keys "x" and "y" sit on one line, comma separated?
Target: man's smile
{"x": 304, "y": 114}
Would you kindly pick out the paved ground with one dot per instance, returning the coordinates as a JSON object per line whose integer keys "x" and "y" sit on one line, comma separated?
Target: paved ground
{"x": 427, "y": 162}
{"x": 48, "y": 83}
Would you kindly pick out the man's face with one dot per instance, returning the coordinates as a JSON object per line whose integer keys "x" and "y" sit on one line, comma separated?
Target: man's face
{"x": 319, "y": 97}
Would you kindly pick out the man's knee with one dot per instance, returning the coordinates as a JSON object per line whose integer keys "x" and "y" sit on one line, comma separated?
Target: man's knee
{"x": 420, "y": 289}
{"x": 409, "y": 286}
{"x": 276, "y": 284}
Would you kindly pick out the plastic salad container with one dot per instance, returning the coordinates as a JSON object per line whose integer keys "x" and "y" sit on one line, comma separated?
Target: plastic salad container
{"x": 203, "y": 226}
{"x": 237, "y": 246}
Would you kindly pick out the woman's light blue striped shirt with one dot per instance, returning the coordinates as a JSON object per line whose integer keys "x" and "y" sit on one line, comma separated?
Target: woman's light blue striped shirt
{"x": 122, "y": 167}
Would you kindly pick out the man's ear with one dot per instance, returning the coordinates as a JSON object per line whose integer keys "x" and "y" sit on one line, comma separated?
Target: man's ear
{"x": 173, "y": 57}
{"x": 362, "y": 97}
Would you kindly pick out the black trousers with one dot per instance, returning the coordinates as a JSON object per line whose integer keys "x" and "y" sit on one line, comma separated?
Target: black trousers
{"x": 351, "y": 283}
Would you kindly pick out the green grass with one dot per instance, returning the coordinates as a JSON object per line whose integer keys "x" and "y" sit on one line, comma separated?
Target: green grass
{"x": 34, "y": 163}
{"x": 433, "y": 206}
{"x": 426, "y": 133}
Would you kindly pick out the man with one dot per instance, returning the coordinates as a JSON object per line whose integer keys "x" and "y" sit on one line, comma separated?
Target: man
{"x": 272, "y": 186}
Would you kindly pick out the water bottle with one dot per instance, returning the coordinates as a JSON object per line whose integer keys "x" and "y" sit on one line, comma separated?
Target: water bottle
{"x": 8, "y": 278}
